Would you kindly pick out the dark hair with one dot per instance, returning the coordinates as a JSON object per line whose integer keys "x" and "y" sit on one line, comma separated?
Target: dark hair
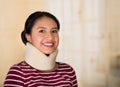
{"x": 31, "y": 21}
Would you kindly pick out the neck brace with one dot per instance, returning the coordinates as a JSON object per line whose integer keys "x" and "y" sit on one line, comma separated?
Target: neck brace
{"x": 39, "y": 60}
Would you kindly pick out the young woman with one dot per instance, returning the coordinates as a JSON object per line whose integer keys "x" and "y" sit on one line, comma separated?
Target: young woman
{"x": 39, "y": 68}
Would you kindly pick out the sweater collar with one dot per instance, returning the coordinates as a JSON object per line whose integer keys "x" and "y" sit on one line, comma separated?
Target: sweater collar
{"x": 39, "y": 60}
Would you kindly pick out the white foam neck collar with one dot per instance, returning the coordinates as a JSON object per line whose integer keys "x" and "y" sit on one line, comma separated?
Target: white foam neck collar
{"x": 39, "y": 60}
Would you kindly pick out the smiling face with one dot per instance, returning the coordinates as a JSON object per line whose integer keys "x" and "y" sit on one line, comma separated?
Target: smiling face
{"x": 44, "y": 35}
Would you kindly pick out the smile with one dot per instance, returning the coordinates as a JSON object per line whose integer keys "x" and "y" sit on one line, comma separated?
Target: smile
{"x": 49, "y": 44}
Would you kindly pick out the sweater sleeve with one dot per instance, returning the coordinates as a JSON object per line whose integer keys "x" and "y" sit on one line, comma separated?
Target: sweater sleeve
{"x": 74, "y": 79}
{"x": 71, "y": 74}
{"x": 14, "y": 77}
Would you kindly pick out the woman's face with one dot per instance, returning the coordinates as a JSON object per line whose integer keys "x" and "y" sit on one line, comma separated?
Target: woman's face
{"x": 44, "y": 35}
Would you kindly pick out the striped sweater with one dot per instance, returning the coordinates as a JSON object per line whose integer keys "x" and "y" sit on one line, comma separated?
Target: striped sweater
{"x": 23, "y": 75}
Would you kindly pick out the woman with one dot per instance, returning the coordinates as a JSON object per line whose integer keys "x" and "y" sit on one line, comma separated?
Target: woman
{"x": 39, "y": 68}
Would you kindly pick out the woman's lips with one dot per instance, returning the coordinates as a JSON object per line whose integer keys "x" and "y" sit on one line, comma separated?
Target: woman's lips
{"x": 49, "y": 44}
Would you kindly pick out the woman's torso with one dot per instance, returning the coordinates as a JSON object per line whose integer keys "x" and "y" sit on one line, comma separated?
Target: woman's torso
{"x": 28, "y": 76}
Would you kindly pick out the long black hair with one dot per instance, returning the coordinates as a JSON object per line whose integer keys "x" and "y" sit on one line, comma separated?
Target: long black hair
{"x": 31, "y": 21}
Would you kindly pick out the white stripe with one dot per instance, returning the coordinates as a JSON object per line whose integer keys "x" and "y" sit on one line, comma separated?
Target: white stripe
{"x": 14, "y": 80}
{"x": 12, "y": 85}
{"x": 50, "y": 83}
{"x": 16, "y": 70}
{"x": 66, "y": 72}
{"x": 44, "y": 77}
{"x": 15, "y": 75}
{"x": 16, "y": 66}
{"x": 74, "y": 80}
{"x": 47, "y": 81}
{"x": 69, "y": 76}
{"x": 56, "y": 75}
{"x": 74, "y": 84}
{"x": 67, "y": 68}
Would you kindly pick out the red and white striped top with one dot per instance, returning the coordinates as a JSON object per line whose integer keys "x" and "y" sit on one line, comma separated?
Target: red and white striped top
{"x": 23, "y": 75}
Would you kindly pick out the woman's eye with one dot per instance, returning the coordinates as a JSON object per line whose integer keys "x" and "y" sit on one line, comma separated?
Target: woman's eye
{"x": 54, "y": 31}
{"x": 41, "y": 31}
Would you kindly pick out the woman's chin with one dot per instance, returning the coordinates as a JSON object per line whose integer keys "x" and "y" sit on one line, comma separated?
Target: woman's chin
{"x": 48, "y": 52}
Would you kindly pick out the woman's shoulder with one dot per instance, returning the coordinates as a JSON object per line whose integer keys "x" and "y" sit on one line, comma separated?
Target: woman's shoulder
{"x": 18, "y": 65}
{"x": 65, "y": 66}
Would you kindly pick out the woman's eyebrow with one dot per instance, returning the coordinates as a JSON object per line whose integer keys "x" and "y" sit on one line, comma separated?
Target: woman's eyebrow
{"x": 41, "y": 28}
{"x": 45, "y": 27}
{"x": 55, "y": 28}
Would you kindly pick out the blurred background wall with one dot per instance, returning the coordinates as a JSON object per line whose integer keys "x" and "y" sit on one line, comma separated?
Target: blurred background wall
{"x": 89, "y": 37}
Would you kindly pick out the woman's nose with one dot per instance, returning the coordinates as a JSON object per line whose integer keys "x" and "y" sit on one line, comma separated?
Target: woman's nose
{"x": 49, "y": 36}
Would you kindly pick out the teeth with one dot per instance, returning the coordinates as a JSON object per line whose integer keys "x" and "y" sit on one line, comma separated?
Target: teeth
{"x": 48, "y": 44}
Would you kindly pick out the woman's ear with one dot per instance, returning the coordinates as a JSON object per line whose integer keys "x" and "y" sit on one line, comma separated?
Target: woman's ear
{"x": 28, "y": 37}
